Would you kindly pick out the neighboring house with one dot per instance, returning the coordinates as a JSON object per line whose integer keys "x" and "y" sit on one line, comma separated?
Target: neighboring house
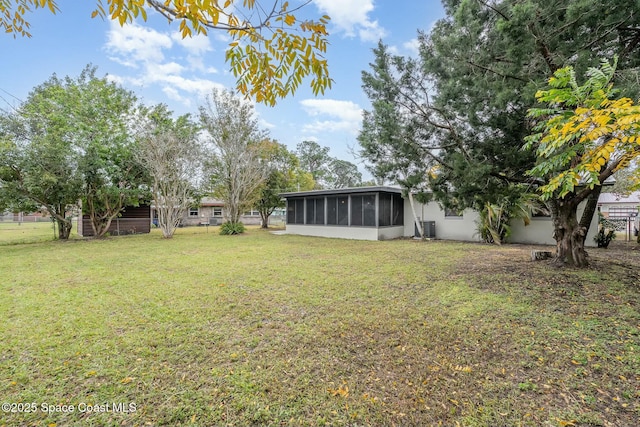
{"x": 621, "y": 210}
{"x": 614, "y": 206}
{"x": 132, "y": 220}
{"x": 211, "y": 212}
{"x": 380, "y": 213}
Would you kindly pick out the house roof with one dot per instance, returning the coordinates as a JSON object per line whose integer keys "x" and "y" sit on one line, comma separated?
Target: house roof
{"x": 210, "y": 201}
{"x": 609, "y": 198}
{"x": 349, "y": 190}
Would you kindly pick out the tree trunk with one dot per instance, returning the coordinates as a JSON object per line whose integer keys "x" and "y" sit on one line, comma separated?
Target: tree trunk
{"x": 415, "y": 217}
{"x": 64, "y": 228}
{"x": 58, "y": 213}
{"x": 264, "y": 219}
{"x": 569, "y": 234}
{"x": 590, "y": 208}
{"x": 101, "y": 226}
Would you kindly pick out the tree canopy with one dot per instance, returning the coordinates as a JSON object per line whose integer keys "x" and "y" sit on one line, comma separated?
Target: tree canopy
{"x": 271, "y": 51}
{"x": 284, "y": 175}
{"x": 172, "y": 153}
{"x": 71, "y": 140}
{"x": 458, "y": 112}
{"x": 584, "y": 135}
{"x": 236, "y": 163}
{"x": 327, "y": 171}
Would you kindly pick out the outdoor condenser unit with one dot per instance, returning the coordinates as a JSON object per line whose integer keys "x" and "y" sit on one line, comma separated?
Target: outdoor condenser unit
{"x": 429, "y": 228}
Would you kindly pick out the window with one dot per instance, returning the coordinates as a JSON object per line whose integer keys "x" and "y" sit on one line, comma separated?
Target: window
{"x": 193, "y": 212}
{"x": 251, "y": 213}
{"x": 343, "y": 210}
{"x": 397, "y": 210}
{"x": 542, "y": 213}
{"x": 299, "y": 211}
{"x": 315, "y": 211}
{"x": 384, "y": 216}
{"x": 356, "y": 210}
{"x": 363, "y": 210}
{"x": 217, "y": 212}
{"x": 338, "y": 210}
{"x": 332, "y": 211}
{"x": 369, "y": 210}
{"x": 391, "y": 210}
{"x": 295, "y": 211}
{"x": 452, "y": 213}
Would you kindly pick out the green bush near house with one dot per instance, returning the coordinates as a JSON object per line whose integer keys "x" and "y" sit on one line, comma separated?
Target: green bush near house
{"x": 231, "y": 228}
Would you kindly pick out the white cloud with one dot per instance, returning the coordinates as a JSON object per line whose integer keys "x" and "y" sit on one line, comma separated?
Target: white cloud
{"x": 144, "y": 49}
{"x": 412, "y": 46}
{"x": 195, "y": 45}
{"x": 133, "y": 43}
{"x": 265, "y": 124}
{"x": 352, "y": 17}
{"x": 342, "y": 116}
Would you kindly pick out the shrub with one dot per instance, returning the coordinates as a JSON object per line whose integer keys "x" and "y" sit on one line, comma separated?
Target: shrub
{"x": 604, "y": 236}
{"x": 606, "y": 232}
{"x": 230, "y": 228}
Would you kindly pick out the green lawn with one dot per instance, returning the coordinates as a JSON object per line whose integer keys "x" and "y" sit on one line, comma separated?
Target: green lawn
{"x": 27, "y": 232}
{"x": 262, "y": 329}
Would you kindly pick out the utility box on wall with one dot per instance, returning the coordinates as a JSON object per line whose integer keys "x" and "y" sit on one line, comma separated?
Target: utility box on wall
{"x": 429, "y": 228}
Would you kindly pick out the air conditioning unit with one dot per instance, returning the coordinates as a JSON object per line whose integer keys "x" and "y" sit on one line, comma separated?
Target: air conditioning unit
{"x": 429, "y": 228}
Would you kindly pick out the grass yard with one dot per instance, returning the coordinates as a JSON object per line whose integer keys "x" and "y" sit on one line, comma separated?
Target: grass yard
{"x": 273, "y": 330}
{"x": 13, "y": 233}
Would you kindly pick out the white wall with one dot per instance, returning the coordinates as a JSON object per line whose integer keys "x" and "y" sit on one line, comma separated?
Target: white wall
{"x": 358, "y": 233}
{"x": 539, "y": 231}
{"x": 447, "y": 228}
{"x": 389, "y": 233}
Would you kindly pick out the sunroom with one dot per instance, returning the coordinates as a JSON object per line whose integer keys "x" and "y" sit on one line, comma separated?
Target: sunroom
{"x": 365, "y": 213}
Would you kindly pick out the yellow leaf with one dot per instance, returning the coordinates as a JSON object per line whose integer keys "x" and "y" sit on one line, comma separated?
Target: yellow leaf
{"x": 343, "y": 391}
{"x": 127, "y": 380}
{"x": 289, "y": 20}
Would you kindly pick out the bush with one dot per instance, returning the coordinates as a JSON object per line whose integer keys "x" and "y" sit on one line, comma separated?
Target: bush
{"x": 231, "y": 228}
{"x": 604, "y": 236}
{"x": 606, "y": 231}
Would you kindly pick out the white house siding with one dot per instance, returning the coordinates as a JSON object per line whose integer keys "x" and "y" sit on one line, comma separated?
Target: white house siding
{"x": 447, "y": 228}
{"x": 357, "y": 233}
{"x": 539, "y": 231}
{"x": 389, "y": 233}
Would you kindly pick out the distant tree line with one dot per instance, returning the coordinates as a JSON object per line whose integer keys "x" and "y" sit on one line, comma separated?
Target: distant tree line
{"x": 88, "y": 142}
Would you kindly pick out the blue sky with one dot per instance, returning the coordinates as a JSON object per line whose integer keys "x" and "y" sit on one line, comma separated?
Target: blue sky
{"x": 152, "y": 60}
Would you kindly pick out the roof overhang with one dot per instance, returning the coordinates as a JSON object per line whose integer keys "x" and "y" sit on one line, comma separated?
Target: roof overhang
{"x": 338, "y": 191}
